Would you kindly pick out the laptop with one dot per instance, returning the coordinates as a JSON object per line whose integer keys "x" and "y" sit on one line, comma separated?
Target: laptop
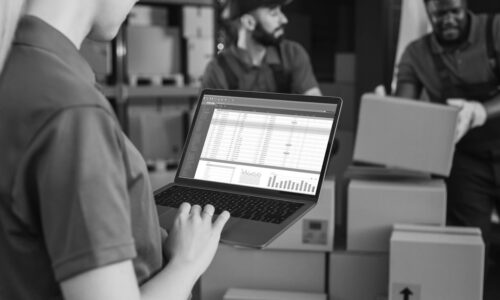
{"x": 261, "y": 156}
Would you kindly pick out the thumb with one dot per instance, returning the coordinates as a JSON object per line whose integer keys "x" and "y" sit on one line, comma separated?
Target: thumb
{"x": 380, "y": 90}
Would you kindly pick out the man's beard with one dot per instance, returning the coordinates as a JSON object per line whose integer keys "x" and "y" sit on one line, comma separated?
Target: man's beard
{"x": 463, "y": 36}
{"x": 265, "y": 38}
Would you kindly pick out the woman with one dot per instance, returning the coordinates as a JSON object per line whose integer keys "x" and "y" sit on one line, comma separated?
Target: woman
{"x": 77, "y": 217}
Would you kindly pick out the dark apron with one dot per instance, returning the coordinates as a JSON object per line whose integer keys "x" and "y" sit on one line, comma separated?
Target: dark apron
{"x": 282, "y": 78}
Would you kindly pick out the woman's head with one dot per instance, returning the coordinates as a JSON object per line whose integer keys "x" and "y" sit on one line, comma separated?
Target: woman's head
{"x": 10, "y": 11}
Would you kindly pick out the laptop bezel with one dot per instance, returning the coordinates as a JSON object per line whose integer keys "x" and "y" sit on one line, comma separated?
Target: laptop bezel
{"x": 241, "y": 189}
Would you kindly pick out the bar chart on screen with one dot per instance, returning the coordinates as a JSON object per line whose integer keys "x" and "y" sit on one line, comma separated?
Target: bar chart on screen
{"x": 294, "y": 185}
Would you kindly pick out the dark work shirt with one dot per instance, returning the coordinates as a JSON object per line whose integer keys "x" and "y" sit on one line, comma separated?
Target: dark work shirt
{"x": 468, "y": 63}
{"x": 74, "y": 192}
{"x": 471, "y": 77}
{"x": 294, "y": 60}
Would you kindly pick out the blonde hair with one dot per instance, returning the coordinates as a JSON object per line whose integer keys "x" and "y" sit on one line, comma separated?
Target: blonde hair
{"x": 10, "y": 12}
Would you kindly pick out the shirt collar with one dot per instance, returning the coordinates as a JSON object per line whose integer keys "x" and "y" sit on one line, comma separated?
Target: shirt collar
{"x": 271, "y": 57}
{"x": 471, "y": 38}
{"x": 35, "y": 32}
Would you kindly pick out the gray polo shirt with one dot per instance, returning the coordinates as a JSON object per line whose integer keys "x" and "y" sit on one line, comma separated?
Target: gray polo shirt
{"x": 74, "y": 192}
{"x": 293, "y": 58}
{"x": 468, "y": 64}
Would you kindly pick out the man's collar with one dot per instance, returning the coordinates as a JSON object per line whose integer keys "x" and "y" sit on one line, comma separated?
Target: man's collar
{"x": 35, "y": 32}
{"x": 271, "y": 57}
{"x": 471, "y": 38}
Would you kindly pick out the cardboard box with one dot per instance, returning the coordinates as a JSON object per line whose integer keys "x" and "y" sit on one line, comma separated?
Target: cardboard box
{"x": 200, "y": 51}
{"x": 362, "y": 172}
{"x": 247, "y": 294}
{"x": 375, "y": 205}
{"x": 198, "y": 21}
{"x": 314, "y": 231}
{"x": 99, "y": 57}
{"x": 377, "y": 173}
{"x": 158, "y": 135}
{"x": 407, "y": 134}
{"x": 358, "y": 276}
{"x": 153, "y": 51}
{"x": 345, "y": 67}
{"x": 148, "y": 15}
{"x": 263, "y": 269}
{"x": 436, "y": 263}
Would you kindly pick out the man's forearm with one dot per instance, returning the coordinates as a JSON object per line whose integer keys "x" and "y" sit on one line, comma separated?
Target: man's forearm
{"x": 492, "y": 107}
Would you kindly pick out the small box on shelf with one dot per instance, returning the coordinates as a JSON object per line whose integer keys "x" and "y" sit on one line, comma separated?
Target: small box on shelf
{"x": 199, "y": 53}
{"x": 153, "y": 55}
{"x": 99, "y": 57}
{"x": 147, "y": 15}
{"x": 198, "y": 21}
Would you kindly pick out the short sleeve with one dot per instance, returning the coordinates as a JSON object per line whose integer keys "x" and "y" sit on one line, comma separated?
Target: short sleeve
{"x": 214, "y": 77}
{"x": 405, "y": 70}
{"x": 496, "y": 35}
{"x": 303, "y": 78}
{"x": 83, "y": 202}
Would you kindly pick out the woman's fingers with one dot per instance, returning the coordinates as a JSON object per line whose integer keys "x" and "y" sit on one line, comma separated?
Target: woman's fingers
{"x": 184, "y": 210}
{"x": 221, "y": 221}
{"x": 208, "y": 212}
{"x": 195, "y": 210}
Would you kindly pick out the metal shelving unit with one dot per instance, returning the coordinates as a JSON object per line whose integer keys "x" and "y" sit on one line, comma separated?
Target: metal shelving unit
{"x": 120, "y": 92}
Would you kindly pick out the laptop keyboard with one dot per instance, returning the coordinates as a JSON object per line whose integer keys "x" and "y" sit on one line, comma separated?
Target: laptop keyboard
{"x": 240, "y": 206}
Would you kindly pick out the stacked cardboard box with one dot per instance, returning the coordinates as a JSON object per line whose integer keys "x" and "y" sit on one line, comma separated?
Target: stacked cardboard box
{"x": 408, "y": 141}
{"x": 99, "y": 57}
{"x": 295, "y": 262}
{"x": 436, "y": 263}
{"x": 358, "y": 275}
{"x": 248, "y": 294}
{"x": 158, "y": 135}
{"x": 199, "y": 32}
{"x": 153, "y": 55}
{"x": 148, "y": 15}
{"x": 375, "y": 205}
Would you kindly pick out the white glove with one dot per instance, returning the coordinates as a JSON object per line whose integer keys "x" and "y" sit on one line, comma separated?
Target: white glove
{"x": 380, "y": 90}
{"x": 472, "y": 114}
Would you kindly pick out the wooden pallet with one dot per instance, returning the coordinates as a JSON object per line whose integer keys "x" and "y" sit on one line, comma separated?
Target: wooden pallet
{"x": 155, "y": 80}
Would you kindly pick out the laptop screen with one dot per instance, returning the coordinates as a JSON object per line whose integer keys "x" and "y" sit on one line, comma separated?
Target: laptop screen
{"x": 279, "y": 145}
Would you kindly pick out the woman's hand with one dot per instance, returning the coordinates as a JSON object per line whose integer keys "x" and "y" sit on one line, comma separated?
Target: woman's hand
{"x": 193, "y": 240}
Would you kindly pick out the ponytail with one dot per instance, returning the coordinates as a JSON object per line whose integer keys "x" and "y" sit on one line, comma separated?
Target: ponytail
{"x": 10, "y": 12}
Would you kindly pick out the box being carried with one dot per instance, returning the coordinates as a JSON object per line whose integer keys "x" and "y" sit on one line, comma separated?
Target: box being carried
{"x": 407, "y": 134}
{"x": 428, "y": 262}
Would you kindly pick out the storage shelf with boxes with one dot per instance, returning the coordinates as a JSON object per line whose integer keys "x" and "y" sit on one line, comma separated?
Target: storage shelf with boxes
{"x": 399, "y": 146}
{"x": 153, "y": 54}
